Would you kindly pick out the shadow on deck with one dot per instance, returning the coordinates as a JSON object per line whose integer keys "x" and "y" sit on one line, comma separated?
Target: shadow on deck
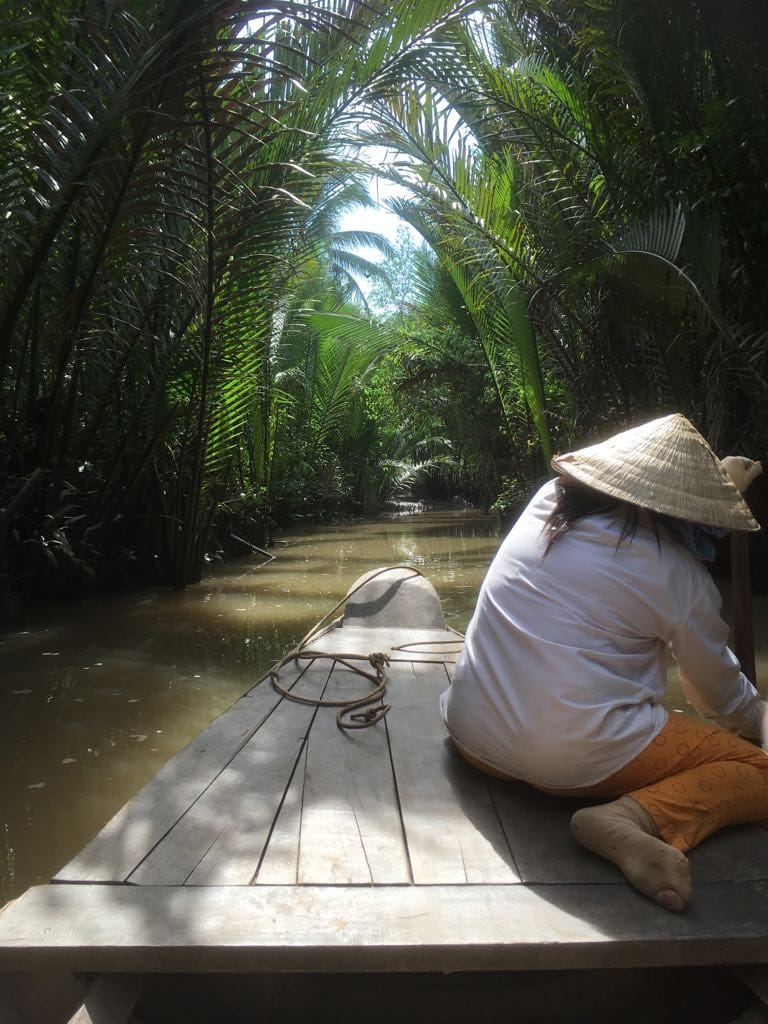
{"x": 280, "y": 867}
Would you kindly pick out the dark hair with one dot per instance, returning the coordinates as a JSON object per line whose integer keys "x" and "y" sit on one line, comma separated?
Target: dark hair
{"x": 575, "y": 501}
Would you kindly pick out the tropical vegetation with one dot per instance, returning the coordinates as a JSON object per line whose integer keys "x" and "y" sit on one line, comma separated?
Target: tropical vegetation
{"x": 190, "y": 350}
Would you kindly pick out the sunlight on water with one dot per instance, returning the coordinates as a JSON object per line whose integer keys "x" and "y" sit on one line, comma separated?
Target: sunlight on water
{"x": 96, "y": 697}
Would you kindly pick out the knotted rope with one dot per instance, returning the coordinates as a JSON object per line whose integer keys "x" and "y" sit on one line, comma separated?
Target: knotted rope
{"x": 349, "y": 715}
{"x": 357, "y": 719}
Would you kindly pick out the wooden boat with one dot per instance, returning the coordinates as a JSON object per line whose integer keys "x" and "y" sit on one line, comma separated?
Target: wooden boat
{"x": 278, "y": 844}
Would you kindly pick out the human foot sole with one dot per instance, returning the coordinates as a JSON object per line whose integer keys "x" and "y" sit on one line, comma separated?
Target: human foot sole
{"x": 624, "y": 833}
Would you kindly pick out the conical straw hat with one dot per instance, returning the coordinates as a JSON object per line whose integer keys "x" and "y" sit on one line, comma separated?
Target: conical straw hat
{"x": 666, "y": 466}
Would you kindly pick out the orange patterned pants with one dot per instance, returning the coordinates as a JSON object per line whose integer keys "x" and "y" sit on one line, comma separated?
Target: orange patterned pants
{"x": 692, "y": 779}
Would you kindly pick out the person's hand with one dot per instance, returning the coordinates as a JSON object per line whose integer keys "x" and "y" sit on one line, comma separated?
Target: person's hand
{"x": 741, "y": 470}
{"x": 751, "y": 724}
{"x": 760, "y": 740}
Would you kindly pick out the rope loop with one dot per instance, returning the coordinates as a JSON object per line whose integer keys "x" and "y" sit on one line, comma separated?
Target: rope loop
{"x": 350, "y": 714}
{"x": 378, "y": 660}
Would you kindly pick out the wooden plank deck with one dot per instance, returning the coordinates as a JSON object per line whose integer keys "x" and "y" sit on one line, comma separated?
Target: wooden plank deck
{"x": 275, "y": 842}
{"x": 338, "y": 929}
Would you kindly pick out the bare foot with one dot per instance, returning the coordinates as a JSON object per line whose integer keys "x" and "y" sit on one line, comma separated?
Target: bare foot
{"x": 624, "y": 833}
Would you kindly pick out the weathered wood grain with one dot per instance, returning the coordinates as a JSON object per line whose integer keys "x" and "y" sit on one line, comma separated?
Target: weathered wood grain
{"x": 279, "y": 863}
{"x": 451, "y": 827}
{"x": 138, "y": 826}
{"x": 737, "y": 854}
{"x": 360, "y": 928}
{"x": 393, "y": 595}
{"x": 351, "y": 831}
{"x": 362, "y": 641}
{"x": 537, "y": 828}
{"x": 377, "y": 850}
{"x": 220, "y": 838}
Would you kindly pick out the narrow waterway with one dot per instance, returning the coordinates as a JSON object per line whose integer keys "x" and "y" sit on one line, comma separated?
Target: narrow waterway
{"x": 96, "y": 697}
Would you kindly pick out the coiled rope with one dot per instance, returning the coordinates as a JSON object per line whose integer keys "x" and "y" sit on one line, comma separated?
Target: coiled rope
{"x": 350, "y": 714}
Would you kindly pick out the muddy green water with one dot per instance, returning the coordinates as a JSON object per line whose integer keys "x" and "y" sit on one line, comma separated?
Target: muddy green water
{"x": 95, "y": 698}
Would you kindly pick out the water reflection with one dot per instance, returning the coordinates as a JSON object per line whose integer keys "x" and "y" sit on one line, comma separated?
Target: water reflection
{"x": 95, "y": 698}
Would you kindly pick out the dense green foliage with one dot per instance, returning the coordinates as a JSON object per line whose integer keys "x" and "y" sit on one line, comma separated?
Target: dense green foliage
{"x": 168, "y": 172}
{"x": 185, "y": 353}
{"x": 600, "y": 207}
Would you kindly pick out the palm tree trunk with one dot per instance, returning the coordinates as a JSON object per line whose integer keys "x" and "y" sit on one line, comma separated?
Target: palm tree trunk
{"x": 192, "y": 539}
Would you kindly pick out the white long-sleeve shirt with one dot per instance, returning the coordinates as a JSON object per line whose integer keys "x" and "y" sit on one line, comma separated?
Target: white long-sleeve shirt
{"x": 563, "y": 670}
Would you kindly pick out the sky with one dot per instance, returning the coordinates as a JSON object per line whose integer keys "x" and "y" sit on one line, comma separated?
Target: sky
{"x": 380, "y": 219}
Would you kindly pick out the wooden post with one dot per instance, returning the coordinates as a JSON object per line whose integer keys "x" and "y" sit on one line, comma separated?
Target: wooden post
{"x": 741, "y": 598}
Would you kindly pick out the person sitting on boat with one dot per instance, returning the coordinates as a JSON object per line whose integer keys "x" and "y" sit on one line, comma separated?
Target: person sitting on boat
{"x": 562, "y": 676}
